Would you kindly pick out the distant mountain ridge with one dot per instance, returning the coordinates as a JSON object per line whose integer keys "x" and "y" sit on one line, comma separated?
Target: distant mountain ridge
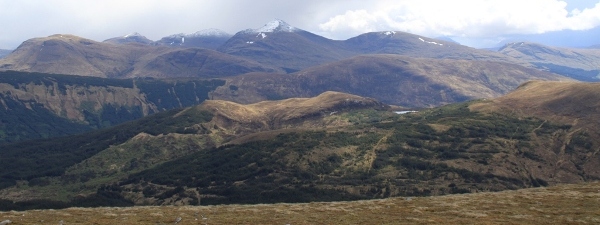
{"x": 275, "y": 47}
{"x": 4, "y": 53}
{"x": 68, "y": 54}
{"x": 580, "y": 64}
{"x": 292, "y": 49}
{"x": 402, "y": 43}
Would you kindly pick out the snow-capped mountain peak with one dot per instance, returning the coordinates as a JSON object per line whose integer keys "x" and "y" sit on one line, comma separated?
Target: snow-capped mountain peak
{"x": 134, "y": 34}
{"x": 180, "y": 35}
{"x": 276, "y": 26}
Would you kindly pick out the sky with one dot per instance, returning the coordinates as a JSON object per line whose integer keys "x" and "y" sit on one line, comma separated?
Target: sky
{"x": 477, "y": 23}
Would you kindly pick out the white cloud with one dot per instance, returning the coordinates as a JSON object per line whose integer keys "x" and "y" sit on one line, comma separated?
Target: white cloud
{"x": 464, "y": 18}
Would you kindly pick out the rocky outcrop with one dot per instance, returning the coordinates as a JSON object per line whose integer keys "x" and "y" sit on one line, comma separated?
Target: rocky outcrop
{"x": 72, "y": 102}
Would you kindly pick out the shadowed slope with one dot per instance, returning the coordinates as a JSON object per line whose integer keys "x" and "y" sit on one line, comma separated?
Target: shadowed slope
{"x": 393, "y": 79}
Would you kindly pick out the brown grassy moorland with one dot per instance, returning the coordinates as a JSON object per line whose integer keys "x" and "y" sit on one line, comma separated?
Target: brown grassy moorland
{"x": 562, "y": 204}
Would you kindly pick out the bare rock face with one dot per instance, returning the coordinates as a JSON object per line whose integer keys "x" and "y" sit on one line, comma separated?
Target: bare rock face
{"x": 71, "y": 101}
{"x": 47, "y": 105}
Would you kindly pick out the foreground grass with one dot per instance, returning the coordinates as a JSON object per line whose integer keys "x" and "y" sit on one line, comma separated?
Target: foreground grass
{"x": 563, "y": 204}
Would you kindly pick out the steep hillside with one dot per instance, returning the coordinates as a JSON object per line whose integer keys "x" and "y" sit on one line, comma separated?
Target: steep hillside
{"x": 393, "y": 79}
{"x": 580, "y": 64}
{"x": 68, "y": 54}
{"x": 36, "y": 105}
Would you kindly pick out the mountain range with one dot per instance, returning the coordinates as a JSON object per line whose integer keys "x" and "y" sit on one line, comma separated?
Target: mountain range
{"x": 278, "y": 114}
{"x": 44, "y": 105}
{"x": 276, "y": 47}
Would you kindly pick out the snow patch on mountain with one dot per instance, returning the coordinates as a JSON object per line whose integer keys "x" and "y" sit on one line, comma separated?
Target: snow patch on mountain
{"x": 389, "y": 32}
{"x": 203, "y": 33}
{"x": 209, "y": 33}
{"x": 176, "y": 36}
{"x": 431, "y": 42}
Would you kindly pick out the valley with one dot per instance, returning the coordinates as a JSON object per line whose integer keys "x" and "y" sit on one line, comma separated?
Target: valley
{"x": 306, "y": 124}
{"x": 331, "y": 147}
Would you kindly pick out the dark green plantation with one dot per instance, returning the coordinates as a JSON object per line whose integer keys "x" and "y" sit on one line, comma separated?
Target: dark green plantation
{"x": 50, "y": 157}
{"x": 18, "y": 122}
{"x": 324, "y": 165}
